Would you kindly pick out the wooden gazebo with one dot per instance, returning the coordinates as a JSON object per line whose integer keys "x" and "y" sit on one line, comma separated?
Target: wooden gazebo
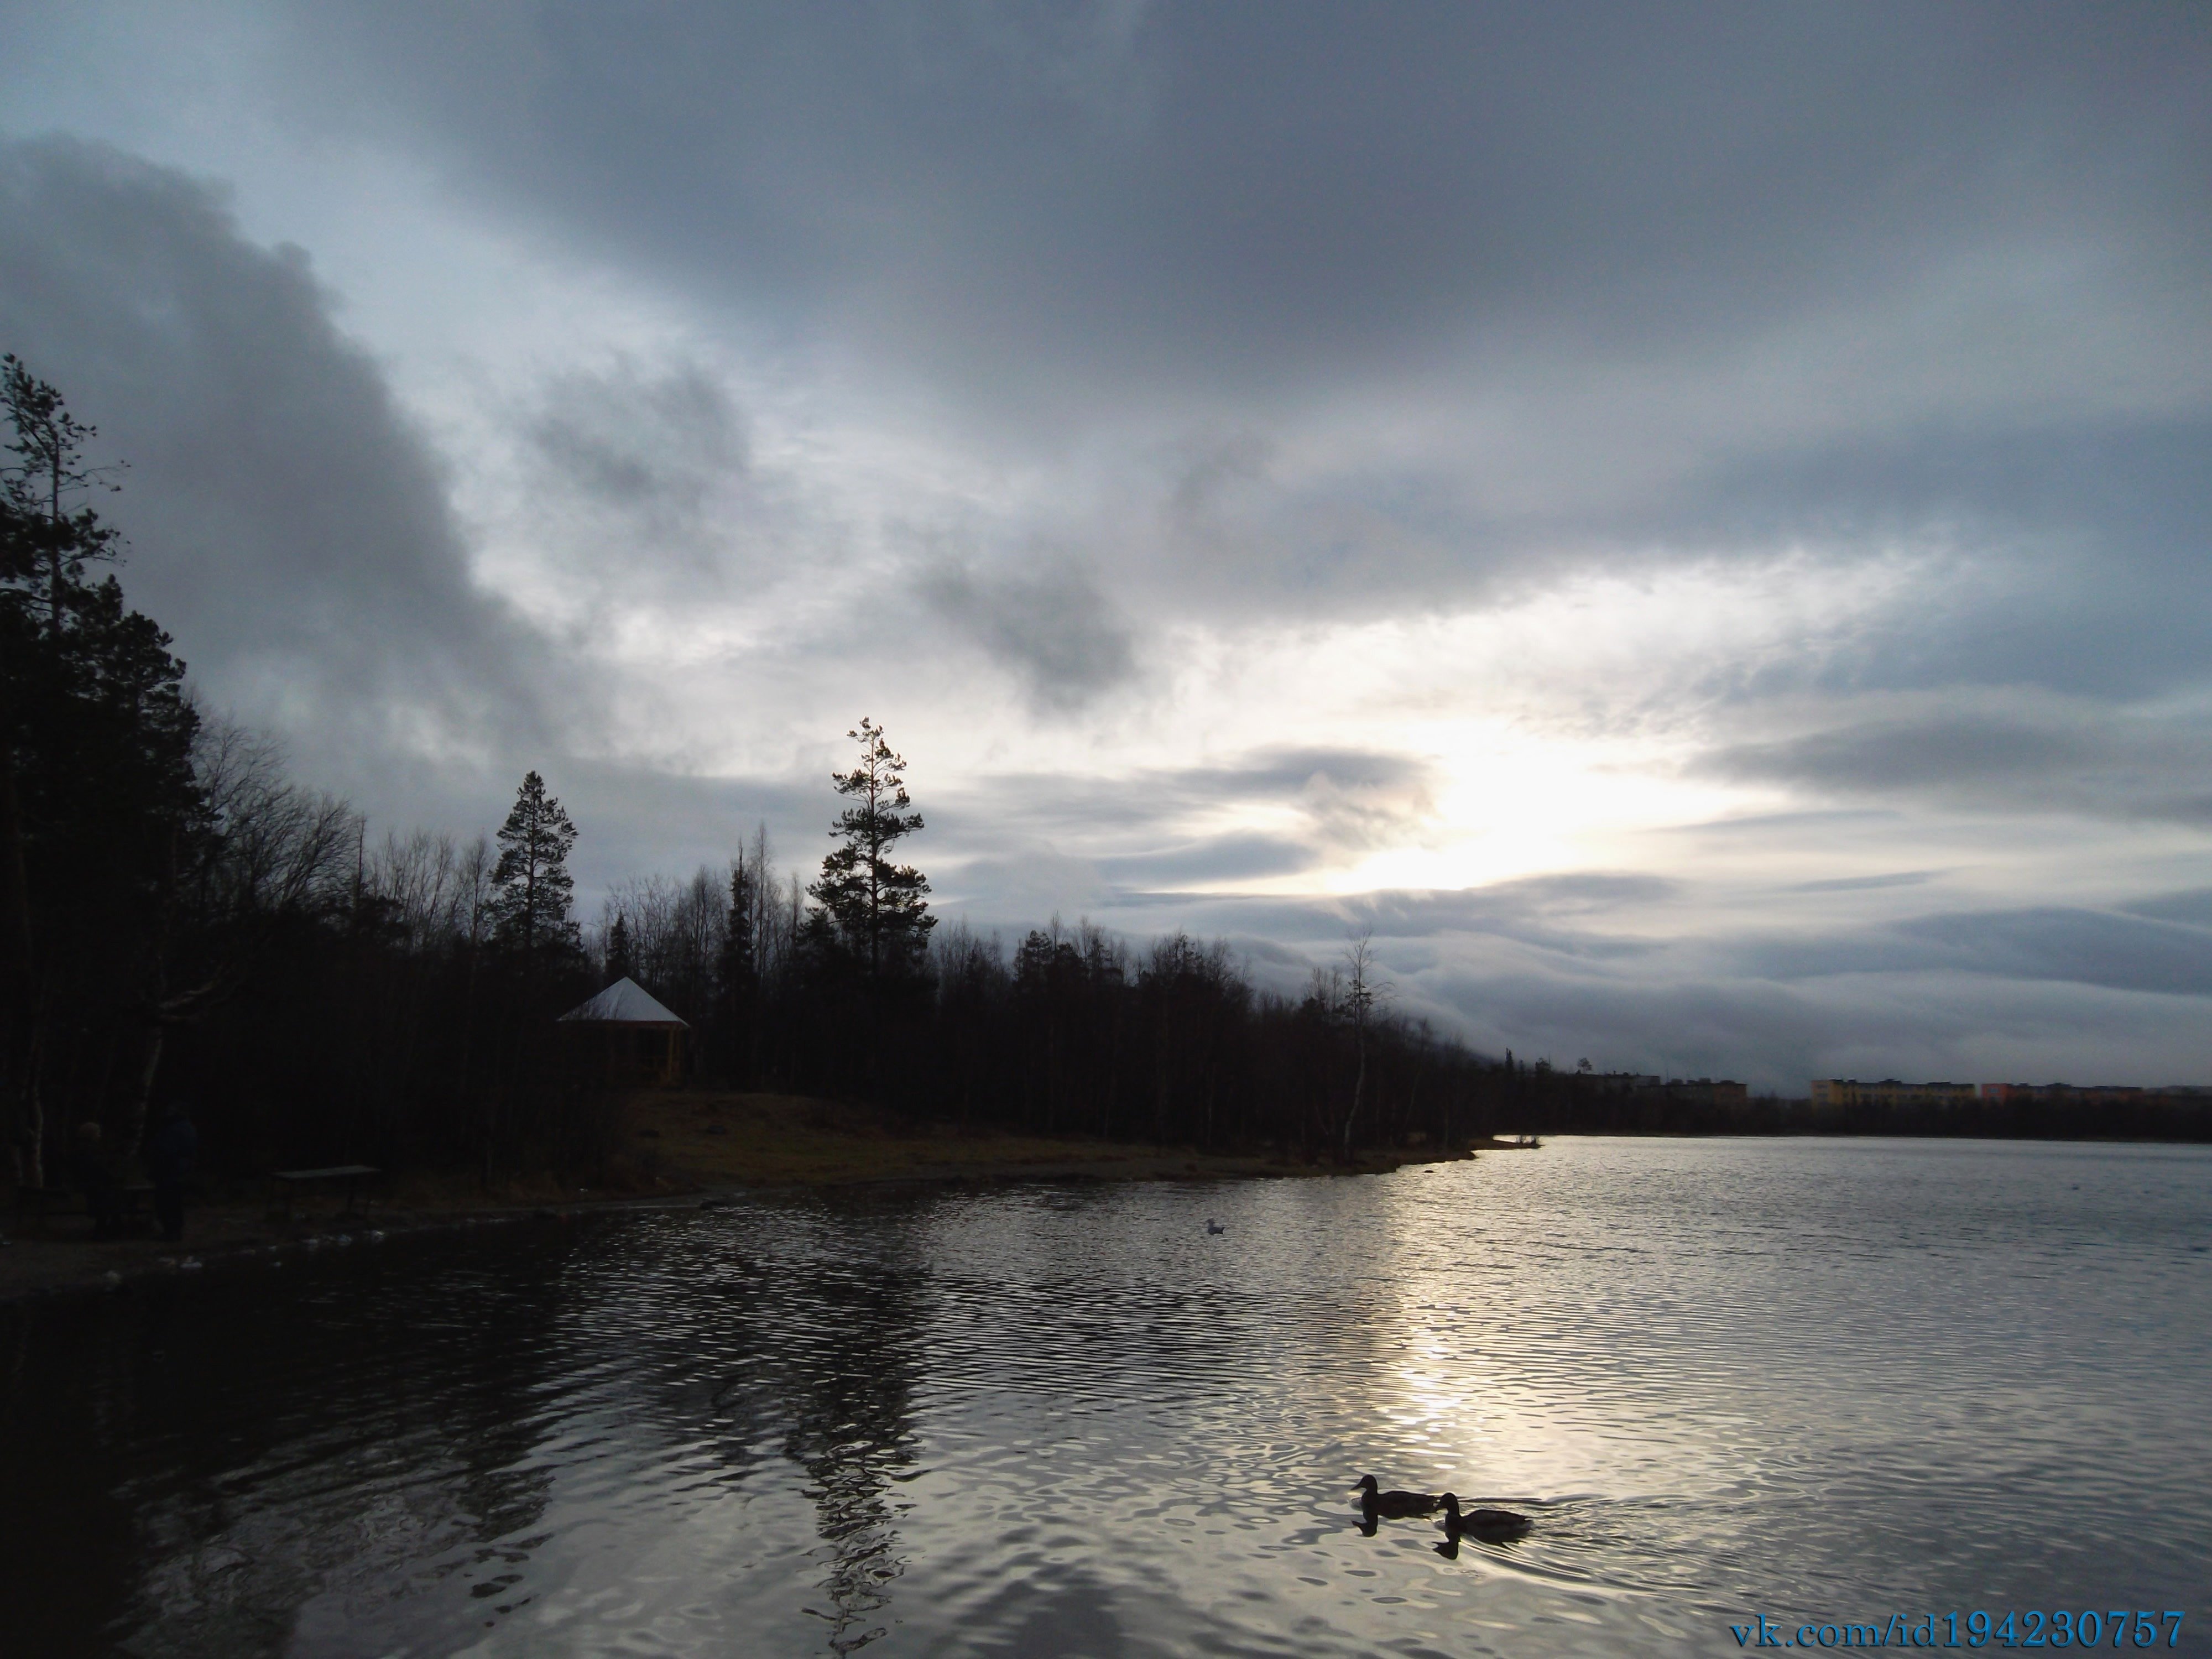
{"x": 625, "y": 1036}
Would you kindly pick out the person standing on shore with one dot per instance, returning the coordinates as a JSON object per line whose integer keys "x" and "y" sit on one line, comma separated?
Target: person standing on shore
{"x": 89, "y": 1170}
{"x": 169, "y": 1159}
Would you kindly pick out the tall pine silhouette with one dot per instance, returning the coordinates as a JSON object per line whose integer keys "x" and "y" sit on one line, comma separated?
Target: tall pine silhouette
{"x": 531, "y": 883}
{"x": 878, "y": 909}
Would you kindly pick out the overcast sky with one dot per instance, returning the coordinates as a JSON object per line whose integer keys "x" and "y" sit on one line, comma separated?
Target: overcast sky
{"x": 1692, "y": 522}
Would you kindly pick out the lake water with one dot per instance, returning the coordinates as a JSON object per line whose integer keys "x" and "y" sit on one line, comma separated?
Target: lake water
{"x": 1825, "y": 1381}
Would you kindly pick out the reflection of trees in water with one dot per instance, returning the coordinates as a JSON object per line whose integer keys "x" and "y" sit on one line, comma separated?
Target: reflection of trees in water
{"x": 727, "y": 1325}
{"x": 853, "y": 1437}
{"x": 499, "y": 1491}
{"x": 853, "y": 1390}
{"x": 236, "y": 1464}
{"x": 205, "y": 1460}
{"x": 395, "y": 1433}
{"x": 71, "y": 1547}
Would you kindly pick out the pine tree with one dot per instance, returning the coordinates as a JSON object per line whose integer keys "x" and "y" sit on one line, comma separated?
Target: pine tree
{"x": 876, "y": 907}
{"x": 530, "y": 908}
{"x": 619, "y": 964}
{"x": 47, "y": 540}
{"x": 100, "y": 809}
{"x": 737, "y": 972}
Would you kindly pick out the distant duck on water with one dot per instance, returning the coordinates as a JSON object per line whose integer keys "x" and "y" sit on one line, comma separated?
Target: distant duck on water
{"x": 1394, "y": 1506}
{"x": 1213, "y": 1226}
{"x": 1481, "y": 1523}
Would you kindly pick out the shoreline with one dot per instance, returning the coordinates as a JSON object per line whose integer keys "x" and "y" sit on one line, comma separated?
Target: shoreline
{"x": 677, "y": 1151}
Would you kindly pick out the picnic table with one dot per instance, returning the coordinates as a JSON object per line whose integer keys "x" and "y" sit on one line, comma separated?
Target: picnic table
{"x": 285, "y": 1183}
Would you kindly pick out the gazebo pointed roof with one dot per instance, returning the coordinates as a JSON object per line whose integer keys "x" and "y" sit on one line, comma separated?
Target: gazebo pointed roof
{"x": 625, "y": 1002}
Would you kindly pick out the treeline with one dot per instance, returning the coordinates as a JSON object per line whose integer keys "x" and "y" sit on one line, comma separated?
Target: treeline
{"x": 180, "y": 923}
{"x": 1065, "y": 1031}
{"x": 389, "y": 1019}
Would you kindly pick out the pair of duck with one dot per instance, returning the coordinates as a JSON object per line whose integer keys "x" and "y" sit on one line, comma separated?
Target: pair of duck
{"x": 1377, "y": 1506}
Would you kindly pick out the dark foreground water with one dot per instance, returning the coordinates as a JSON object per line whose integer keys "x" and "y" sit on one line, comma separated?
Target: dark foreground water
{"x": 1822, "y": 1380}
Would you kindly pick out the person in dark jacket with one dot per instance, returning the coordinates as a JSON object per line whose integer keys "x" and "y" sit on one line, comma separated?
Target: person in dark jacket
{"x": 169, "y": 1152}
{"x": 92, "y": 1175}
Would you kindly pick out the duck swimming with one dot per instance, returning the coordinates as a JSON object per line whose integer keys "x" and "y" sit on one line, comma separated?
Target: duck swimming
{"x": 1393, "y": 1505}
{"x": 1480, "y": 1524}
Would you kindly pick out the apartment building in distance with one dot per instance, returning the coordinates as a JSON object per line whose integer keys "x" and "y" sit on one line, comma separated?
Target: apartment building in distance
{"x": 2098, "y": 1094}
{"x": 1849, "y": 1091}
{"x": 1647, "y": 1085}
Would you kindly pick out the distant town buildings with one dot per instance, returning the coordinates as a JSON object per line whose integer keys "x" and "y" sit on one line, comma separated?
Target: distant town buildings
{"x": 1588, "y": 1101}
{"x": 1616, "y": 1083}
{"x": 1697, "y": 1090}
{"x": 1707, "y": 1090}
{"x": 1844, "y": 1094}
{"x": 1849, "y": 1091}
{"x": 2092, "y": 1094}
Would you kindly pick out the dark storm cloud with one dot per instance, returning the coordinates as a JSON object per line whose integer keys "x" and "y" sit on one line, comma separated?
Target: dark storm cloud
{"x": 640, "y": 486}
{"x": 1560, "y": 918}
{"x": 1543, "y": 966}
{"x": 1939, "y": 751}
{"x": 1063, "y": 639}
{"x": 1562, "y": 915}
{"x": 1662, "y": 284}
{"x": 2084, "y": 947}
{"x": 635, "y": 817}
{"x": 1217, "y": 858}
{"x": 1205, "y": 471}
{"x": 2047, "y": 757}
{"x": 1768, "y": 1036}
{"x": 2192, "y": 907}
{"x": 1352, "y": 798}
{"x": 286, "y": 522}
{"x": 1154, "y": 842}
{"x": 1867, "y": 883}
{"x": 1757, "y": 826}
{"x": 1161, "y": 828}
{"x": 1776, "y": 1036}
{"x": 2088, "y": 947}
{"x": 656, "y": 446}
{"x": 1242, "y": 193}
{"x": 2101, "y": 523}
{"x": 1152, "y": 831}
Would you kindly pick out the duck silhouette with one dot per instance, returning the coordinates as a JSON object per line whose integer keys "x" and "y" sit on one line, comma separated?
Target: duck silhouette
{"x": 1480, "y": 1524}
{"x": 1393, "y": 1505}
{"x": 1213, "y": 1226}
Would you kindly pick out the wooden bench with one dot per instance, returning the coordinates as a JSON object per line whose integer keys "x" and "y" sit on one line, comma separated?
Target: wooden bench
{"x": 284, "y": 1183}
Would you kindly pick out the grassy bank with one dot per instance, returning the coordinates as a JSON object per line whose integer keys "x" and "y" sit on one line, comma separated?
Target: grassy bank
{"x": 702, "y": 1140}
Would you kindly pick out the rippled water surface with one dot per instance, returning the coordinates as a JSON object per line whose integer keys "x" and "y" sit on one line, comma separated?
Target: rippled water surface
{"x": 1821, "y": 1379}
